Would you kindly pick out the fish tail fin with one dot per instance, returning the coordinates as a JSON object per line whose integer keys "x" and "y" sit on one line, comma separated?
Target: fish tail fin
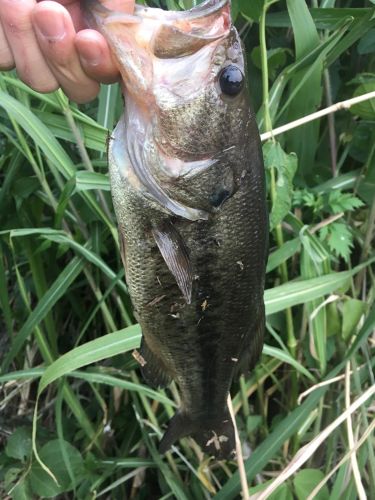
{"x": 215, "y": 437}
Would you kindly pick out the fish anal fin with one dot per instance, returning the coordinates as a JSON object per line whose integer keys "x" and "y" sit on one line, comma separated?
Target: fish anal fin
{"x": 216, "y": 437}
{"x": 152, "y": 368}
{"x": 176, "y": 256}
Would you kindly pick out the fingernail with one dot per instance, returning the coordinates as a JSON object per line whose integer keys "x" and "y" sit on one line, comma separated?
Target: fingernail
{"x": 90, "y": 54}
{"x": 51, "y": 27}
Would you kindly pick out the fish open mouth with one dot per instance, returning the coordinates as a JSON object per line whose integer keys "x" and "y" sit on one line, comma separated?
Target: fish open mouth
{"x": 207, "y": 8}
{"x": 115, "y": 10}
{"x": 174, "y": 33}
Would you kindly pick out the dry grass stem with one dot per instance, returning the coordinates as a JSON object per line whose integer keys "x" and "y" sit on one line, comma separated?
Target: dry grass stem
{"x": 346, "y": 457}
{"x": 329, "y": 300}
{"x": 240, "y": 462}
{"x": 321, "y": 384}
{"x": 309, "y": 449}
{"x": 349, "y": 426}
{"x": 319, "y": 114}
{"x": 326, "y": 222}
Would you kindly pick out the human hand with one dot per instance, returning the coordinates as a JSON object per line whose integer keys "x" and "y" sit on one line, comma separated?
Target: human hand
{"x": 46, "y": 41}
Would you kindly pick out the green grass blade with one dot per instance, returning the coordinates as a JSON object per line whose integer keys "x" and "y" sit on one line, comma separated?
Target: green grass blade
{"x": 91, "y": 180}
{"x": 108, "y": 98}
{"x": 282, "y": 254}
{"x": 104, "y": 347}
{"x": 285, "y": 357}
{"x": 101, "y": 378}
{"x": 39, "y": 133}
{"x": 298, "y": 292}
{"x": 55, "y": 292}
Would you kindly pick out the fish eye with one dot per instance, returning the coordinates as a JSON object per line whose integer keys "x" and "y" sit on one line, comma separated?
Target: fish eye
{"x": 231, "y": 80}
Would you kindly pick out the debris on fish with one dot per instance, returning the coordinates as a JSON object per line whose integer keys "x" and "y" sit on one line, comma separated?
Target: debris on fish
{"x": 188, "y": 188}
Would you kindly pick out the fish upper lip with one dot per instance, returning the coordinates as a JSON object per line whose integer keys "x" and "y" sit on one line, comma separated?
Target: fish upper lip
{"x": 204, "y": 9}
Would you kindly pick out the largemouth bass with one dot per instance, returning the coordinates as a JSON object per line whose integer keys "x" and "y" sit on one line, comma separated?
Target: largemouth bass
{"x": 187, "y": 182}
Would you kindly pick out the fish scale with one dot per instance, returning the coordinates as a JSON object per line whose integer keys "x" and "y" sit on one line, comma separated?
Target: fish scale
{"x": 188, "y": 188}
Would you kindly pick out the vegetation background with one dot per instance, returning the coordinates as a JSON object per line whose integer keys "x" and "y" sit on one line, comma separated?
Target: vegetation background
{"x": 64, "y": 303}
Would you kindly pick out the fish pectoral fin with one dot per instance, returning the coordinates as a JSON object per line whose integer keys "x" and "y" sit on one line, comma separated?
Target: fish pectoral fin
{"x": 175, "y": 254}
{"x": 152, "y": 368}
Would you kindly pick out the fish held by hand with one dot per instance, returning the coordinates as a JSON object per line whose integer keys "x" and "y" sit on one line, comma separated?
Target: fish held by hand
{"x": 187, "y": 182}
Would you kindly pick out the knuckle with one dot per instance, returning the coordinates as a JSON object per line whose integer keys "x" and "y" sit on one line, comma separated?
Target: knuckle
{"x": 40, "y": 85}
{"x": 16, "y": 24}
{"x": 6, "y": 64}
{"x": 83, "y": 97}
{"x": 37, "y": 76}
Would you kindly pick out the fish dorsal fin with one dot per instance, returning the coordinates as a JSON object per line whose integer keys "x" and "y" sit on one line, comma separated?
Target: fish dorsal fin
{"x": 175, "y": 254}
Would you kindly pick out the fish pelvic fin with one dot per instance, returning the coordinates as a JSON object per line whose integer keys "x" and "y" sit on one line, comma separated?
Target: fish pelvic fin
{"x": 152, "y": 368}
{"x": 215, "y": 437}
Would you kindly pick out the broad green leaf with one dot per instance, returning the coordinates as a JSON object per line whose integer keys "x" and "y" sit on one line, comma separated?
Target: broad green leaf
{"x": 365, "y": 109}
{"x": 283, "y": 492}
{"x": 22, "y": 490}
{"x": 284, "y": 166}
{"x": 19, "y": 444}
{"x": 51, "y": 454}
{"x": 306, "y": 480}
{"x": 352, "y": 311}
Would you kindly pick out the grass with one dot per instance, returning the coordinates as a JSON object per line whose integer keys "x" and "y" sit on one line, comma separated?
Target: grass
{"x": 73, "y": 406}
